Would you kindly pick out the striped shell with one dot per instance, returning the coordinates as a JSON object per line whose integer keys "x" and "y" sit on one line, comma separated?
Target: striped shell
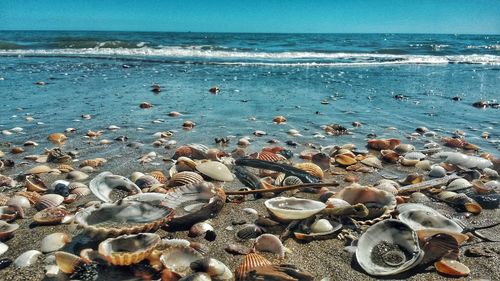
{"x": 159, "y": 175}
{"x": 81, "y": 191}
{"x": 248, "y": 263}
{"x": 94, "y": 163}
{"x": 146, "y": 181}
{"x": 52, "y": 215}
{"x": 75, "y": 185}
{"x": 32, "y": 196}
{"x": 184, "y": 178}
{"x": 291, "y": 180}
{"x": 345, "y": 160}
{"x": 67, "y": 262}
{"x": 40, "y": 169}
{"x": 49, "y": 200}
{"x": 128, "y": 249}
{"x": 311, "y": 168}
{"x": 270, "y": 156}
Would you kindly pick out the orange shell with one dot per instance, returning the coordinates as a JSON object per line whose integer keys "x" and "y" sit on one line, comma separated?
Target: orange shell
{"x": 67, "y": 262}
{"x": 34, "y": 183}
{"x": 17, "y": 150}
{"x": 345, "y": 160}
{"x": 279, "y": 119}
{"x": 451, "y": 268}
{"x": 183, "y": 151}
{"x": 32, "y": 196}
{"x": 64, "y": 168}
{"x": 121, "y": 256}
{"x": 159, "y": 175}
{"x": 270, "y": 156}
{"x": 389, "y": 156}
{"x": 248, "y": 263}
{"x": 94, "y": 163}
{"x": 184, "y": 178}
{"x": 453, "y": 142}
{"x": 57, "y": 138}
{"x": 311, "y": 168}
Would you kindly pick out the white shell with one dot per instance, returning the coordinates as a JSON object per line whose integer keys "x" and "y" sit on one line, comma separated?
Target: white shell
{"x": 102, "y": 185}
{"x": 291, "y": 208}
{"x": 49, "y": 200}
{"x": 27, "y": 258}
{"x": 215, "y": 170}
{"x": 321, "y": 226}
{"x": 419, "y": 216}
{"x": 54, "y": 242}
{"x": 458, "y": 184}
{"x": 77, "y": 175}
{"x": 178, "y": 259}
{"x": 437, "y": 171}
{"x": 3, "y": 248}
{"x": 415, "y": 156}
{"x": 20, "y": 201}
{"x": 51, "y": 270}
{"x": 393, "y": 233}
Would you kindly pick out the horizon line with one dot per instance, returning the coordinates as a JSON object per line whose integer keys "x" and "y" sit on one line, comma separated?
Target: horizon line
{"x": 238, "y": 32}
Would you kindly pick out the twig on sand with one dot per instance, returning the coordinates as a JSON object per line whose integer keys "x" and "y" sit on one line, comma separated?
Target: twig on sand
{"x": 282, "y": 188}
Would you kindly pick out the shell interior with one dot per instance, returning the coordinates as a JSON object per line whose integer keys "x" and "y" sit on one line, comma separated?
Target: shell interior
{"x": 293, "y": 208}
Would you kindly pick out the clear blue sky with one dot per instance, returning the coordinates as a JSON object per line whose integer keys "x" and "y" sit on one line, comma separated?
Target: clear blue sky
{"x": 386, "y": 16}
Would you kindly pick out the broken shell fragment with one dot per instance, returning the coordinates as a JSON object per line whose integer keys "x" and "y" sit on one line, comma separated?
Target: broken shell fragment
{"x": 27, "y": 258}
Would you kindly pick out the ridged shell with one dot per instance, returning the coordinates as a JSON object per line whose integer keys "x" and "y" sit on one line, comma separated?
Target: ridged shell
{"x": 64, "y": 168}
{"x": 67, "y": 262}
{"x": 379, "y": 144}
{"x": 291, "y": 180}
{"x": 122, "y": 217}
{"x": 387, "y": 248}
{"x": 215, "y": 170}
{"x": 34, "y": 183}
{"x": 77, "y": 175}
{"x": 48, "y": 201}
{"x": 179, "y": 259}
{"x": 50, "y": 216}
{"x": 311, "y": 168}
{"x": 81, "y": 191}
{"x": 159, "y": 175}
{"x": 32, "y": 196}
{"x": 415, "y": 156}
{"x": 270, "y": 156}
{"x": 54, "y": 242}
{"x": 184, "y": 178}
{"x": 345, "y": 160}
{"x": 128, "y": 249}
{"x": 146, "y": 181}
{"x": 94, "y": 163}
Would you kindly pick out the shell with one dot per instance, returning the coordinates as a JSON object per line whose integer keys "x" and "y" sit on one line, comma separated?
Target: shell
{"x": 159, "y": 175}
{"x": 215, "y": 170}
{"x": 404, "y": 148}
{"x": 52, "y": 215}
{"x": 451, "y": 268}
{"x": 458, "y": 184}
{"x": 3, "y": 248}
{"x": 27, "y": 258}
{"x": 345, "y": 160}
{"x": 379, "y": 144}
{"x": 179, "y": 259}
{"x": 418, "y": 216}
{"x": 146, "y": 181}
{"x": 7, "y": 229}
{"x": 67, "y": 262}
{"x": 372, "y": 162}
{"x": 135, "y": 175}
{"x": 248, "y": 263}
{"x": 214, "y": 268}
{"x": 34, "y": 183}
{"x": 311, "y": 168}
{"x": 104, "y": 183}
{"x": 269, "y": 243}
{"x": 77, "y": 176}
{"x": 64, "y": 168}
{"x": 19, "y": 201}
{"x": 387, "y": 248}
{"x": 415, "y": 156}
{"x": 122, "y": 217}
{"x": 379, "y": 203}
{"x": 291, "y": 180}
{"x": 279, "y": 119}
{"x": 128, "y": 249}
{"x": 54, "y": 242}
{"x": 40, "y": 169}
{"x": 389, "y": 156}
{"x": 192, "y": 203}
{"x": 94, "y": 163}
{"x": 184, "y": 178}
{"x": 57, "y": 138}
{"x": 201, "y": 228}
{"x": 437, "y": 171}
{"x": 249, "y": 231}
{"x": 426, "y": 233}
{"x": 48, "y": 201}
{"x": 269, "y": 156}
{"x": 81, "y": 191}
{"x": 291, "y": 208}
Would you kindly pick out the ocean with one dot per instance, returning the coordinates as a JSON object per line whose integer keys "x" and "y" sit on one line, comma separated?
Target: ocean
{"x": 311, "y": 79}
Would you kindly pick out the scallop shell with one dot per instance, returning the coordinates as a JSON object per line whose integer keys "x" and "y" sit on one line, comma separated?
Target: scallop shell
{"x": 122, "y": 217}
{"x": 104, "y": 183}
{"x": 7, "y": 229}
{"x": 67, "y": 262}
{"x": 146, "y": 181}
{"x": 388, "y": 247}
{"x": 27, "y": 258}
{"x": 64, "y": 168}
{"x": 48, "y": 201}
{"x": 81, "y": 191}
{"x": 249, "y": 262}
{"x": 380, "y": 203}
{"x": 34, "y": 183}
{"x": 159, "y": 175}
{"x": 184, "y": 178}
{"x": 379, "y": 144}
{"x": 128, "y": 249}
{"x": 291, "y": 208}
{"x": 311, "y": 168}
{"x": 269, "y": 156}
{"x": 345, "y": 160}
{"x": 215, "y": 170}
{"x": 179, "y": 259}
{"x": 54, "y": 242}
{"x": 94, "y": 163}
{"x": 291, "y": 180}
{"x": 52, "y": 215}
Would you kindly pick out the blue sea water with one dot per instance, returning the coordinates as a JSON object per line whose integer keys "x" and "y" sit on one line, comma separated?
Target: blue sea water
{"x": 260, "y": 76}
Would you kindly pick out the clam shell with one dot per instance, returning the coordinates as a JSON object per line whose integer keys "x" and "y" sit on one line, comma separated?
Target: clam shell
{"x": 128, "y": 249}
{"x": 179, "y": 259}
{"x": 403, "y": 148}
{"x": 249, "y": 262}
{"x": 424, "y": 234}
{"x": 216, "y": 269}
{"x": 269, "y": 243}
{"x": 437, "y": 171}
{"x": 104, "y": 183}
{"x": 77, "y": 176}
{"x": 345, "y": 160}
{"x": 320, "y": 229}
{"x": 54, "y": 242}
{"x": 311, "y": 168}
{"x": 423, "y": 218}
{"x": 7, "y": 229}
{"x": 291, "y": 180}
{"x": 291, "y": 208}
{"x": 34, "y": 183}
{"x": 67, "y": 262}
{"x": 40, "y": 169}
{"x": 215, "y": 170}
{"x": 389, "y": 156}
{"x": 48, "y": 201}
{"x": 186, "y": 177}
{"x": 52, "y": 215}
{"x": 372, "y": 162}
{"x": 415, "y": 156}
{"x": 451, "y": 268}
{"x": 122, "y": 217}
{"x": 81, "y": 191}
{"x": 388, "y": 247}
{"x": 27, "y": 258}
{"x": 458, "y": 184}
{"x": 159, "y": 175}
{"x": 19, "y": 201}
{"x": 379, "y": 203}
{"x": 64, "y": 168}
{"x": 3, "y": 248}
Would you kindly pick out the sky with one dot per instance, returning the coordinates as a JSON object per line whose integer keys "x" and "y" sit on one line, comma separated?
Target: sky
{"x": 292, "y": 16}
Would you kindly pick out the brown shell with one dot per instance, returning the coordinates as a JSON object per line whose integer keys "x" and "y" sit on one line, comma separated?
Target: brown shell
{"x": 34, "y": 183}
{"x": 159, "y": 175}
{"x": 184, "y": 178}
{"x": 40, "y": 169}
{"x": 67, "y": 262}
{"x": 32, "y": 196}
{"x": 64, "y": 168}
{"x": 52, "y": 215}
{"x": 311, "y": 168}
{"x": 145, "y": 105}
{"x": 126, "y": 255}
{"x": 345, "y": 160}
{"x": 451, "y": 268}
{"x": 7, "y": 229}
{"x": 389, "y": 156}
{"x": 279, "y": 119}
{"x": 248, "y": 263}
{"x": 17, "y": 150}
{"x": 454, "y": 142}
{"x": 379, "y": 144}
{"x": 57, "y": 138}
{"x": 183, "y": 151}
{"x": 4, "y": 199}
{"x": 48, "y": 201}
{"x": 269, "y": 156}
{"x": 94, "y": 163}
{"x": 188, "y": 124}
{"x": 81, "y": 191}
